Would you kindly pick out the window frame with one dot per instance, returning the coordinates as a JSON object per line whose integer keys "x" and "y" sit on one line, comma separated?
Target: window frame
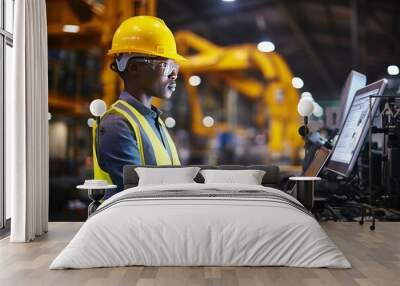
{"x": 6, "y": 39}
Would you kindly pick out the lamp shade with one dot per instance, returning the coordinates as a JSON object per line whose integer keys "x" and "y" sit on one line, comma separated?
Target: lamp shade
{"x": 306, "y": 94}
{"x": 98, "y": 107}
{"x": 90, "y": 122}
{"x": 305, "y": 107}
{"x": 318, "y": 111}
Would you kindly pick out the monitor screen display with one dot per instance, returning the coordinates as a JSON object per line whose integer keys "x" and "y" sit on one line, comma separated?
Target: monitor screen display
{"x": 355, "y": 129}
{"x": 354, "y": 82}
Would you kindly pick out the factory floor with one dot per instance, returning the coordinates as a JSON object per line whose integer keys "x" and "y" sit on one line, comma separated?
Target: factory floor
{"x": 374, "y": 255}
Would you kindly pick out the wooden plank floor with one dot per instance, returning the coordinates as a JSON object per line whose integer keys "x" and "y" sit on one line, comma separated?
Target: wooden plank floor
{"x": 375, "y": 257}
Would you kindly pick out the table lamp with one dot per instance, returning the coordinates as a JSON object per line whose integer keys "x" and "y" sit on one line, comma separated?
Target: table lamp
{"x": 97, "y": 108}
{"x": 305, "y": 108}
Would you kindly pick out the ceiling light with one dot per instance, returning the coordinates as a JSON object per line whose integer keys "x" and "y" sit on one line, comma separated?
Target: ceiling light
{"x": 228, "y": 0}
{"x": 170, "y": 122}
{"x": 208, "y": 121}
{"x": 266, "y": 46}
{"x": 71, "y": 28}
{"x": 194, "y": 80}
{"x": 393, "y": 70}
{"x": 297, "y": 82}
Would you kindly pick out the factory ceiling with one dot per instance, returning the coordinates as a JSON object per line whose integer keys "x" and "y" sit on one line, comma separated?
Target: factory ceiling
{"x": 321, "y": 40}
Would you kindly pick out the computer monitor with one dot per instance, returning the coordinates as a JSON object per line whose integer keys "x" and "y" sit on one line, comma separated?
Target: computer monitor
{"x": 354, "y": 82}
{"x": 355, "y": 129}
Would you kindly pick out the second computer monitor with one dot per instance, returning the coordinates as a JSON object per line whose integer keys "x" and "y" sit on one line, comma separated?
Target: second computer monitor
{"x": 354, "y": 82}
{"x": 355, "y": 128}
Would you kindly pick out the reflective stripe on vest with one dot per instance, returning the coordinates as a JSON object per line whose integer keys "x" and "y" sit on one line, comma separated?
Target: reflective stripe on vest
{"x": 153, "y": 145}
{"x": 170, "y": 143}
{"x": 147, "y": 141}
{"x": 98, "y": 173}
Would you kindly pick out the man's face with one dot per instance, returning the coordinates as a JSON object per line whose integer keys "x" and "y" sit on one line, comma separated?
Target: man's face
{"x": 156, "y": 77}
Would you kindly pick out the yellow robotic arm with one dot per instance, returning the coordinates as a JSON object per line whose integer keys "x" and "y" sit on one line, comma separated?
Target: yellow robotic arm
{"x": 276, "y": 96}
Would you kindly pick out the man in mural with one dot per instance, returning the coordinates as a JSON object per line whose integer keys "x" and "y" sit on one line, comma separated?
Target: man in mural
{"x": 131, "y": 132}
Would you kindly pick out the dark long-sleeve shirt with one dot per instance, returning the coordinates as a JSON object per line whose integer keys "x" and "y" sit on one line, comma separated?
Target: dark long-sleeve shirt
{"x": 117, "y": 141}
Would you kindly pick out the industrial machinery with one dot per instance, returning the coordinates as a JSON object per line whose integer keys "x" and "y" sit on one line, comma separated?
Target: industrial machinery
{"x": 274, "y": 95}
{"x": 87, "y": 24}
{"x": 362, "y": 177}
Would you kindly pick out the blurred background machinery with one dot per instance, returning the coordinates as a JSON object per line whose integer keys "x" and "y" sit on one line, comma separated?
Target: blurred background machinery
{"x": 272, "y": 93}
{"x": 249, "y": 63}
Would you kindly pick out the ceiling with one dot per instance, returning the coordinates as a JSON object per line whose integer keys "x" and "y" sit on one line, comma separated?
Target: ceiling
{"x": 321, "y": 40}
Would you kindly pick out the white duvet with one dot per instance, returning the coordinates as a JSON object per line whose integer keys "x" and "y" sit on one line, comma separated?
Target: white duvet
{"x": 188, "y": 231}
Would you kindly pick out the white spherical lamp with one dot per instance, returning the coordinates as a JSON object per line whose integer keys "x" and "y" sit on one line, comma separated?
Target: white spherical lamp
{"x": 98, "y": 107}
{"x": 91, "y": 122}
{"x": 318, "y": 111}
{"x": 306, "y": 94}
{"x": 170, "y": 122}
{"x": 194, "y": 80}
{"x": 208, "y": 121}
{"x": 393, "y": 70}
{"x": 305, "y": 107}
{"x": 266, "y": 46}
{"x": 297, "y": 82}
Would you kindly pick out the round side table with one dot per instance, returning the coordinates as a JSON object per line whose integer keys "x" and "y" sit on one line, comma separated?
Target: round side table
{"x": 96, "y": 194}
{"x": 305, "y": 190}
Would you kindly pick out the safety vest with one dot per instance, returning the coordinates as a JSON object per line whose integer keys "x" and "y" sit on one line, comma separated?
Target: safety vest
{"x": 150, "y": 150}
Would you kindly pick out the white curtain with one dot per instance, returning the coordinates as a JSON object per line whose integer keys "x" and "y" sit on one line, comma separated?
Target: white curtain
{"x": 27, "y": 125}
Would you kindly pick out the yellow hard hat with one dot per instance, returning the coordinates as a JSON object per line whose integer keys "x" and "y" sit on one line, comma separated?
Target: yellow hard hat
{"x": 145, "y": 35}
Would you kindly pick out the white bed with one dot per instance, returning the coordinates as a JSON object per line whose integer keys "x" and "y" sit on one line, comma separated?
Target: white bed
{"x": 225, "y": 225}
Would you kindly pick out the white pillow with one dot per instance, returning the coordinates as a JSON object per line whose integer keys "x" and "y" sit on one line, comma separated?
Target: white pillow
{"x": 164, "y": 176}
{"x": 248, "y": 177}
